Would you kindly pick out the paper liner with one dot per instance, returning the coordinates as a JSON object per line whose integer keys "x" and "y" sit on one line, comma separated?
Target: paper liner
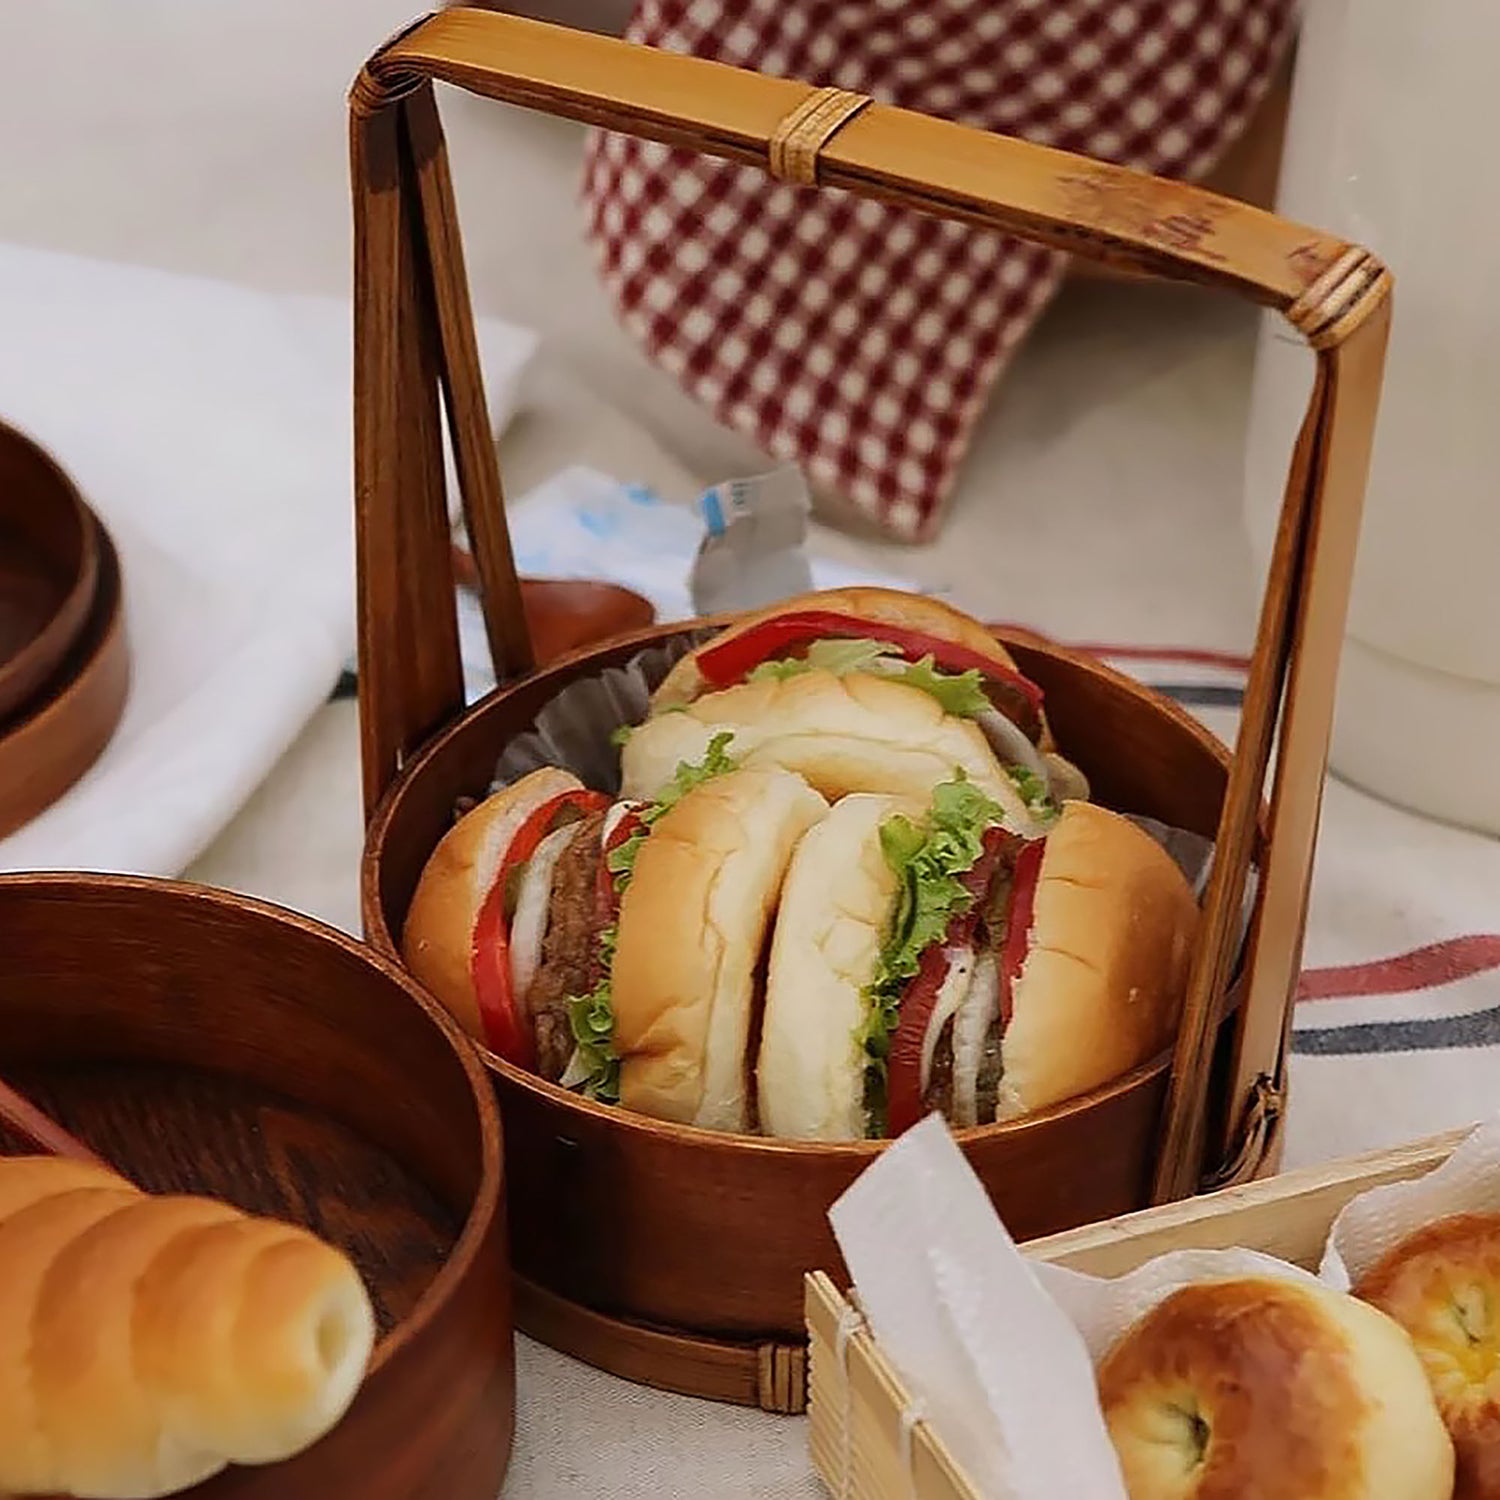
{"x": 1377, "y": 1221}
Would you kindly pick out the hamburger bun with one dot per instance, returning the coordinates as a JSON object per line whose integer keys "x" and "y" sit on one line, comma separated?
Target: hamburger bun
{"x": 1443, "y": 1287}
{"x": 1099, "y": 993}
{"x": 437, "y": 939}
{"x": 1102, "y": 987}
{"x": 835, "y": 906}
{"x": 896, "y": 607}
{"x": 856, "y": 733}
{"x": 694, "y": 921}
{"x": 1258, "y": 1387}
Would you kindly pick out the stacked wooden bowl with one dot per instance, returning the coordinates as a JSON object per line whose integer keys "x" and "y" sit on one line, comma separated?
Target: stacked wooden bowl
{"x": 64, "y": 664}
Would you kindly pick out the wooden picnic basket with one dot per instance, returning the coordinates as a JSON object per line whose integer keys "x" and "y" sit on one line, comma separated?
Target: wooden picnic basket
{"x": 672, "y": 1255}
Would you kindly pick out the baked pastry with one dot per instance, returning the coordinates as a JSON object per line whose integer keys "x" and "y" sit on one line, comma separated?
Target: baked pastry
{"x": 1263, "y": 1389}
{"x": 1443, "y": 1287}
{"x": 147, "y": 1342}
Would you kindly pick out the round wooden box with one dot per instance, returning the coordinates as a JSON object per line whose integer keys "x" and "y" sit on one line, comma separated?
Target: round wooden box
{"x": 675, "y": 1255}
{"x": 203, "y": 1042}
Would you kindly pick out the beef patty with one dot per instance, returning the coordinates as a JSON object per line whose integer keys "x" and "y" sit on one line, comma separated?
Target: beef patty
{"x": 570, "y": 963}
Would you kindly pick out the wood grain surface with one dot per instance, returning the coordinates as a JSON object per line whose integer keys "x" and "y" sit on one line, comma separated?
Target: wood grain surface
{"x": 202, "y": 1042}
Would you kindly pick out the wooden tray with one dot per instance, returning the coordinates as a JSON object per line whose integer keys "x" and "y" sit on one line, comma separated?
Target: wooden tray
{"x": 52, "y": 742}
{"x": 49, "y": 569}
{"x": 866, "y": 1436}
{"x": 708, "y": 1229}
{"x": 203, "y": 1042}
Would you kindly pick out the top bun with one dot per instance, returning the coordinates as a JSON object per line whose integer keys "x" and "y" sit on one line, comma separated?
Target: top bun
{"x": 437, "y": 939}
{"x": 1263, "y": 1386}
{"x": 896, "y": 607}
{"x": 693, "y": 925}
{"x": 1102, "y": 986}
{"x": 855, "y": 733}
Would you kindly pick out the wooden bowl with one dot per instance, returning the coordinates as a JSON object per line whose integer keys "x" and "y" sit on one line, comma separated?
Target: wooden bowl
{"x": 664, "y": 1252}
{"x": 54, "y": 740}
{"x": 49, "y": 569}
{"x": 206, "y": 1043}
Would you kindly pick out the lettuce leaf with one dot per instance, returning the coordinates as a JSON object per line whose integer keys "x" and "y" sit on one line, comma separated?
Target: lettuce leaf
{"x": 928, "y": 860}
{"x": 592, "y": 1016}
{"x": 960, "y": 693}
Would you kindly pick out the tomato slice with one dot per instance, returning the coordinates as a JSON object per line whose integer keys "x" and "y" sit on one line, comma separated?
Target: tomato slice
{"x": 630, "y": 823}
{"x": 733, "y": 660}
{"x": 501, "y": 1016}
{"x": 904, "y": 1065}
{"x": 1018, "y": 929}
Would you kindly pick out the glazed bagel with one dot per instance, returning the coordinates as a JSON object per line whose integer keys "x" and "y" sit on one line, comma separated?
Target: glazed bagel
{"x": 1443, "y": 1287}
{"x": 855, "y": 733}
{"x": 1255, "y": 1388}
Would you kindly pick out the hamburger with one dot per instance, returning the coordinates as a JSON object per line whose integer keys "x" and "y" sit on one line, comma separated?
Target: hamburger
{"x": 926, "y": 957}
{"x": 860, "y": 690}
{"x": 614, "y": 947}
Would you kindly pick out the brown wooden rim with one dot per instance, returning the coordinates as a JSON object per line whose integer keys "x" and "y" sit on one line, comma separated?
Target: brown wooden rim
{"x": 486, "y": 1204}
{"x": 46, "y": 651}
{"x": 380, "y": 938}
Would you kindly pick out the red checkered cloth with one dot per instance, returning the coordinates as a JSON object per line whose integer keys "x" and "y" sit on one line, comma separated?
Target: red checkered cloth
{"x": 861, "y": 341}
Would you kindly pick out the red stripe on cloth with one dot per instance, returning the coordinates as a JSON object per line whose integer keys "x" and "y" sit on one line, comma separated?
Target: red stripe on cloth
{"x": 1421, "y": 969}
{"x": 1200, "y": 656}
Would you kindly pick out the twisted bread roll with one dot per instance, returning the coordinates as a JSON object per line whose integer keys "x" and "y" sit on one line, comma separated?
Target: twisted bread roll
{"x": 146, "y": 1342}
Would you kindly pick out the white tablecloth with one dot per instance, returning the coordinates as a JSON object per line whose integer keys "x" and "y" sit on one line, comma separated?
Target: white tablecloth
{"x": 1101, "y": 503}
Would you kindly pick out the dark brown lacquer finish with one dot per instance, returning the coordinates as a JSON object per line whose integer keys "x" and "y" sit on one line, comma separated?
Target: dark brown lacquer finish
{"x": 49, "y": 569}
{"x": 710, "y": 1234}
{"x": 201, "y": 1042}
{"x": 664, "y": 1253}
{"x": 50, "y": 742}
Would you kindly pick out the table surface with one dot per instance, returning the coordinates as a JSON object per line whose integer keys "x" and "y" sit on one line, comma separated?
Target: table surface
{"x": 1102, "y": 498}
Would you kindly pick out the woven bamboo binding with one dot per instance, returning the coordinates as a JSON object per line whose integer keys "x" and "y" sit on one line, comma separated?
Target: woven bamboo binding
{"x": 414, "y": 339}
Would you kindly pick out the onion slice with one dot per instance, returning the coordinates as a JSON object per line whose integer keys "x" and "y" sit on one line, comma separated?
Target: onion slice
{"x": 950, "y": 996}
{"x": 529, "y": 925}
{"x": 979, "y": 1009}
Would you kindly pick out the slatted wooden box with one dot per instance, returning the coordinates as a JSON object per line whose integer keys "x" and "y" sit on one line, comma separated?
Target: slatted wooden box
{"x": 664, "y": 1253}
{"x": 868, "y": 1439}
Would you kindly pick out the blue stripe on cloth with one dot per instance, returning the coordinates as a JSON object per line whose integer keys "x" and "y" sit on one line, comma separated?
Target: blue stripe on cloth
{"x": 1481, "y": 1028}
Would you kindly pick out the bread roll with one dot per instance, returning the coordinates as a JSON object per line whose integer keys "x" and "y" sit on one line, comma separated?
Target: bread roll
{"x": 906, "y": 611}
{"x": 856, "y": 733}
{"x": 1255, "y": 1388}
{"x": 146, "y": 1342}
{"x": 694, "y": 923}
{"x": 1443, "y": 1287}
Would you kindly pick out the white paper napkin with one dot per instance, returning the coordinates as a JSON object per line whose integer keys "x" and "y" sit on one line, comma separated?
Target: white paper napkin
{"x": 1377, "y": 1221}
{"x": 211, "y": 427}
{"x": 1001, "y": 1372}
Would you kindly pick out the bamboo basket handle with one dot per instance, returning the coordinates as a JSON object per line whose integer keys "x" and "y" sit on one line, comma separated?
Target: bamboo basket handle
{"x": 414, "y": 335}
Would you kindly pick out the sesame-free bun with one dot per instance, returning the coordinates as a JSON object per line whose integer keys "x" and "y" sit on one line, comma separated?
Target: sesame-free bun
{"x": 856, "y": 733}
{"x": 835, "y": 907}
{"x": 1442, "y": 1286}
{"x": 896, "y": 607}
{"x": 1262, "y": 1387}
{"x": 439, "y": 930}
{"x": 1102, "y": 986}
{"x": 1099, "y": 993}
{"x": 693, "y": 924}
